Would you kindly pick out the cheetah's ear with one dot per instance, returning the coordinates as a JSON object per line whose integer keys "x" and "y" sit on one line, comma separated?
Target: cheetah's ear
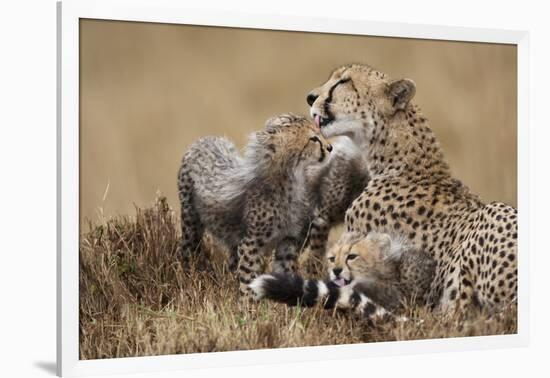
{"x": 276, "y": 122}
{"x": 401, "y": 93}
{"x": 272, "y": 124}
{"x": 383, "y": 241}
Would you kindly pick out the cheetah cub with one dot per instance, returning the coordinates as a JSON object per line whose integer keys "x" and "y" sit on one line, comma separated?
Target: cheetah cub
{"x": 253, "y": 203}
{"x": 375, "y": 275}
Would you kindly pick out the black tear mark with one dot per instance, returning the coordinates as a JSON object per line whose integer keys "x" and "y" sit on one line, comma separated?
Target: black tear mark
{"x": 329, "y": 97}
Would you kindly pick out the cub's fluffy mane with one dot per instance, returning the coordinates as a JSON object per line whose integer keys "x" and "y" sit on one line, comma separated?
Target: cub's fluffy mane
{"x": 257, "y": 166}
{"x": 260, "y": 162}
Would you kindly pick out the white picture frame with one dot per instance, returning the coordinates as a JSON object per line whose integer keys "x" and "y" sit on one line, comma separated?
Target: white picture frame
{"x": 171, "y": 11}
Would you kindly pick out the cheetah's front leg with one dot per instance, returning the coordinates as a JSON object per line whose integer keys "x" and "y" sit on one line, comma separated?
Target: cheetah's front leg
{"x": 316, "y": 244}
{"x": 249, "y": 252}
{"x": 286, "y": 257}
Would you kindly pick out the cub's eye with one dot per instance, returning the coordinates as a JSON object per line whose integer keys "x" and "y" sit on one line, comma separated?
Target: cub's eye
{"x": 351, "y": 256}
{"x": 331, "y": 259}
{"x": 315, "y": 139}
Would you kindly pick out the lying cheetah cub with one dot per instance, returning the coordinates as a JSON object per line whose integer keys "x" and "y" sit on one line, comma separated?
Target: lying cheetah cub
{"x": 254, "y": 203}
{"x": 373, "y": 275}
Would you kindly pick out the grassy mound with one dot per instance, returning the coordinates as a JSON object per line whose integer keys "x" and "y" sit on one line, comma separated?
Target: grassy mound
{"x": 136, "y": 299}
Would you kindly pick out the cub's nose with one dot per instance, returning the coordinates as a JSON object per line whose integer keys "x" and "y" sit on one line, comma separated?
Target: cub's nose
{"x": 329, "y": 148}
{"x": 337, "y": 271}
{"x": 311, "y": 98}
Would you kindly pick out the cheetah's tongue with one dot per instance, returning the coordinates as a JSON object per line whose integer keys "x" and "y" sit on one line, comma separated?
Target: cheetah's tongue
{"x": 317, "y": 120}
{"x": 340, "y": 282}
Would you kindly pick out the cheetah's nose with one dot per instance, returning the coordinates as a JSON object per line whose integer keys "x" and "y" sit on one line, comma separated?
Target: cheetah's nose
{"x": 337, "y": 271}
{"x": 329, "y": 148}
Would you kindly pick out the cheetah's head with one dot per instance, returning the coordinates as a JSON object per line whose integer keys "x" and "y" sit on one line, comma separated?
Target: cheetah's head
{"x": 289, "y": 142}
{"x": 356, "y": 97}
{"x": 358, "y": 257}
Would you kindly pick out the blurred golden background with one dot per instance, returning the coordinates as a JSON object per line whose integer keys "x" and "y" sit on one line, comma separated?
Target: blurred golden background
{"x": 148, "y": 90}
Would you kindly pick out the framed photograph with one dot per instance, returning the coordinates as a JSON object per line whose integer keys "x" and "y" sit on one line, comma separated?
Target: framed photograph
{"x": 238, "y": 189}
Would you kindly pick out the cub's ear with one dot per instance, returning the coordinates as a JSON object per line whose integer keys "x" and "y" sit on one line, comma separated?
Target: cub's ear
{"x": 401, "y": 92}
{"x": 383, "y": 241}
{"x": 282, "y": 120}
{"x": 272, "y": 124}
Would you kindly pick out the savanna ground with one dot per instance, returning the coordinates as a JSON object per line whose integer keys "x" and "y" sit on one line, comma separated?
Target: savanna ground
{"x": 137, "y": 299}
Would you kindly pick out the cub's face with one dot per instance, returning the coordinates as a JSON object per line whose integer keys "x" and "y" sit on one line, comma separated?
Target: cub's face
{"x": 296, "y": 140}
{"x": 356, "y": 258}
{"x": 354, "y": 97}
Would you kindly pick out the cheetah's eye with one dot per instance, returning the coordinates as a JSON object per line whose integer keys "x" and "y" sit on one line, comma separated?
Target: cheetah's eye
{"x": 331, "y": 259}
{"x": 344, "y": 80}
{"x": 351, "y": 256}
{"x": 315, "y": 139}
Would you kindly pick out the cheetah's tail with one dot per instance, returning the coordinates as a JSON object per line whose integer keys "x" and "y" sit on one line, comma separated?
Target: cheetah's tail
{"x": 293, "y": 290}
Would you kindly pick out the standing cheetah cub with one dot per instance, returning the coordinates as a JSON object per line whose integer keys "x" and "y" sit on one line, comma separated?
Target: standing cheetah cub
{"x": 255, "y": 203}
{"x": 334, "y": 187}
{"x": 373, "y": 274}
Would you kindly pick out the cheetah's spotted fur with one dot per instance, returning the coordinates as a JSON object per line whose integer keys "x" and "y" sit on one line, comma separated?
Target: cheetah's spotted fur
{"x": 412, "y": 192}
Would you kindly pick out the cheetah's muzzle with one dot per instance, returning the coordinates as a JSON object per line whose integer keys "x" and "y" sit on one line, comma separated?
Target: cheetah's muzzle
{"x": 321, "y": 121}
{"x": 341, "y": 282}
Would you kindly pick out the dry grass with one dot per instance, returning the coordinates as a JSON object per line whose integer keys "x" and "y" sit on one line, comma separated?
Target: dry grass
{"x": 136, "y": 299}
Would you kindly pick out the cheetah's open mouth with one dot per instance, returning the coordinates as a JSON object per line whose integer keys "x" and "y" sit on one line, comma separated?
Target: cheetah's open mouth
{"x": 341, "y": 282}
{"x": 321, "y": 121}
